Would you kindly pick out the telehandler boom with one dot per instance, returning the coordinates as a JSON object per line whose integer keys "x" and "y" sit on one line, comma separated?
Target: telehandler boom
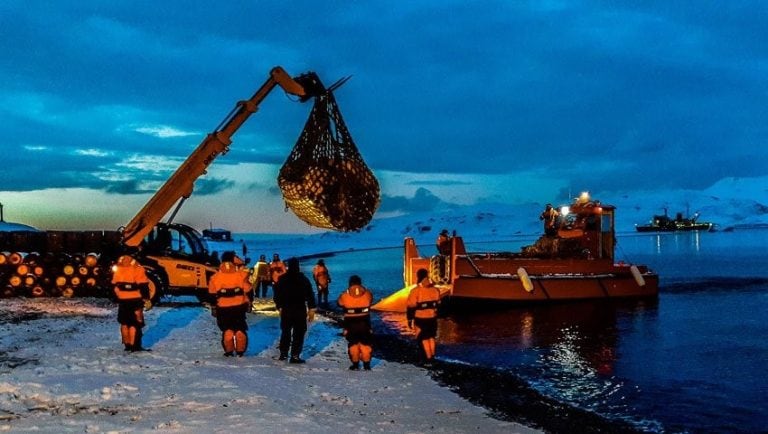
{"x": 174, "y": 254}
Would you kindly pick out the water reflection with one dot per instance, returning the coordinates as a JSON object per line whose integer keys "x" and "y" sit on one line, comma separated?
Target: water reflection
{"x": 568, "y": 351}
{"x": 578, "y": 336}
{"x": 677, "y": 242}
{"x": 684, "y": 362}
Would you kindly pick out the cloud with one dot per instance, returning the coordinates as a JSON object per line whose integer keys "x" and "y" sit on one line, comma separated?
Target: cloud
{"x": 440, "y": 182}
{"x": 150, "y": 163}
{"x": 35, "y": 148}
{"x": 163, "y": 131}
{"x": 91, "y": 152}
{"x": 422, "y": 200}
{"x": 209, "y": 186}
{"x": 274, "y": 191}
{"x": 125, "y": 187}
{"x": 626, "y": 95}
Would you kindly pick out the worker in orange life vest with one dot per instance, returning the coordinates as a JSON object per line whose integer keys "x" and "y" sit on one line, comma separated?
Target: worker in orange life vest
{"x": 230, "y": 288}
{"x": 276, "y": 269}
{"x": 423, "y": 301}
{"x": 260, "y": 279}
{"x": 356, "y": 302}
{"x": 322, "y": 280}
{"x": 131, "y": 288}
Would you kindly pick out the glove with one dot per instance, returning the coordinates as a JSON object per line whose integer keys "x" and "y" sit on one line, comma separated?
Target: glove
{"x": 311, "y": 315}
{"x": 144, "y": 289}
{"x": 147, "y": 304}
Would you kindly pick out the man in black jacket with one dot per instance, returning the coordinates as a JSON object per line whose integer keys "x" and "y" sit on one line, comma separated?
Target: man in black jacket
{"x": 295, "y": 299}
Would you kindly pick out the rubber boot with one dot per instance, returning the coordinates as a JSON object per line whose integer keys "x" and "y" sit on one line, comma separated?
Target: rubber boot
{"x": 137, "y": 341}
{"x": 354, "y": 366}
{"x": 367, "y": 366}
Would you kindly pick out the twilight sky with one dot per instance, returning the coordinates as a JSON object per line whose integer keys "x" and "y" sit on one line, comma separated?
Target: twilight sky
{"x": 450, "y": 102}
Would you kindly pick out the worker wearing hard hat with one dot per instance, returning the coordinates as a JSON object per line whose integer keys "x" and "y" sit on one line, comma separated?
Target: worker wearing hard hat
{"x": 229, "y": 286}
{"x": 131, "y": 289}
{"x": 356, "y": 303}
{"x": 423, "y": 301}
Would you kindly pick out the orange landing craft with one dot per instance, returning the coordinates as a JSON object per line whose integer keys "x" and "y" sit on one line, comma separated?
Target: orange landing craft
{"x": 576, "y": 263}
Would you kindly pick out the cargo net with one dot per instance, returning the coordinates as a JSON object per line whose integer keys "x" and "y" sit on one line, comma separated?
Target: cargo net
{"x": 325, "y": 181}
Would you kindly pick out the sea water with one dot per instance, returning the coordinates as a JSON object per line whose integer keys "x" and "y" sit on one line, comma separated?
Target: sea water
{"x": 695, "y": 360}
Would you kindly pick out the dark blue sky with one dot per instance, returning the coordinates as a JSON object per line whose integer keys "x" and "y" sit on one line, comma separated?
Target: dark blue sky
{"x": 449, "y": 102}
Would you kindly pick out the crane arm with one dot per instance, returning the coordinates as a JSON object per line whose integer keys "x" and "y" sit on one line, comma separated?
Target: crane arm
{"x": 181, "y": 183}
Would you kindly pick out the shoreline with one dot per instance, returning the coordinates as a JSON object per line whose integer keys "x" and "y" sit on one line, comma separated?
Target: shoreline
{"x": 503, "y": 394}
{"x": 62, "y": 369}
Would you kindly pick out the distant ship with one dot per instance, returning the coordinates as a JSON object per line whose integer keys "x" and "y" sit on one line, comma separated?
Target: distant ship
{"x": 217, "y": 234}
{"x": 663, "y": 223}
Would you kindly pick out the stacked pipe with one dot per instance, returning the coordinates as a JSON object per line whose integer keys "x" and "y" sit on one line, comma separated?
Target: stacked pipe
{"x": 52, "y": 274}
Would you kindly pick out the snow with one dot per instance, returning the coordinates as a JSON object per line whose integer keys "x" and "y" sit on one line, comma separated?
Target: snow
{"x": 62, "y": 369}
{"x": 731, "y": 203}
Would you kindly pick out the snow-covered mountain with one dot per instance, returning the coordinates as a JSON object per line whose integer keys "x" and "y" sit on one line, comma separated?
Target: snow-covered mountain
{"x": 730, "y": 203}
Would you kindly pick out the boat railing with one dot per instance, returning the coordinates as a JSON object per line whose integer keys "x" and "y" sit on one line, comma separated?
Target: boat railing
{"x": 469, "y": 261}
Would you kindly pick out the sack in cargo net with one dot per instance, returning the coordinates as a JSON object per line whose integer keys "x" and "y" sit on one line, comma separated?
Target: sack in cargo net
{"x": 325, "y": 180}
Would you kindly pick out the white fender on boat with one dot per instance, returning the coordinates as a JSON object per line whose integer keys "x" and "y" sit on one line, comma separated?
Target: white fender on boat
{"x": 636, "y": 274}
{"x": 525, "y": 279}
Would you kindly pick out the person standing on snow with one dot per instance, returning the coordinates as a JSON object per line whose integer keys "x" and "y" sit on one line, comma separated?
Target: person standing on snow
{"x": 356, "y": 303}
{"x": 295, "y": 300}
{"x": 229, "y": 286}
{"x": 276, "y": 269}
{"x": 422, "y": 314}
{"x": 131, "y": 288}
{"x": 322, "y": 281}
{"x": 260, "y": 277}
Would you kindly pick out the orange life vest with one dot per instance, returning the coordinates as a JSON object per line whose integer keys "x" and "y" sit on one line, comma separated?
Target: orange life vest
{"x": 356, "y": 301}
{"x": 276, "y": 269}
{"x": 261, "y": 271}
{"x": 128, "y": 277}
{"x": 229, "y": 285}
{"x": 424, "y": 299}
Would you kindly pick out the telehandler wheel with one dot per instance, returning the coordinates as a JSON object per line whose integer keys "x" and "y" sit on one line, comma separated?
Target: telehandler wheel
{"x": 157, "y": 286}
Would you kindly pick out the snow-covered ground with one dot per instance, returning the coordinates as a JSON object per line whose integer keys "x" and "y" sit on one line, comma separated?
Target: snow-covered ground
{"x": 62, "y": 369}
